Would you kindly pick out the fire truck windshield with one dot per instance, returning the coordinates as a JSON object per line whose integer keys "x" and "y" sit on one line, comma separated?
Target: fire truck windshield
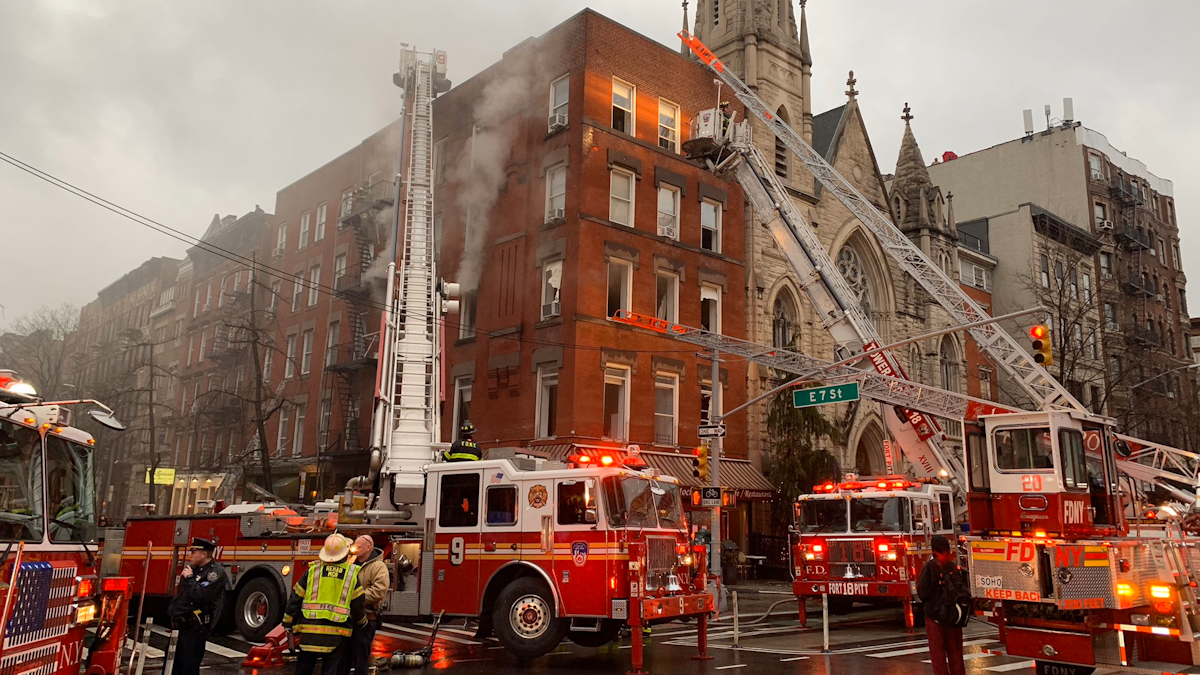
{"x": 824, "y": 516}
{"x": 20, "y": 483}
{"x": 883, "y": 514}
{"x": 639, "y": 503}
{"x": 70, "y": 481}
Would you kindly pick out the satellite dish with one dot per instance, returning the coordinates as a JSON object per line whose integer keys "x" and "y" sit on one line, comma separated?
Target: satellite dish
{"x": 107, "y": 419}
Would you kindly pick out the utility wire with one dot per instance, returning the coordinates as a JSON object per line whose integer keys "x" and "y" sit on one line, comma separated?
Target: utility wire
{"x": 256, "y": 265}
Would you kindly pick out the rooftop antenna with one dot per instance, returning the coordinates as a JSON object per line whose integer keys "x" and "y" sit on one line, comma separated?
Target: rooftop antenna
{"x": 1068, "y": 111}
{"x": 1028, "y": 113}
{"x": 1047, "y": 117}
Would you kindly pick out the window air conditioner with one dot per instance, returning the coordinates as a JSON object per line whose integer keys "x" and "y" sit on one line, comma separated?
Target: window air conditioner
{"x": 551, "y": 309}
{"x": 277, "y": 253}
{"x": 556, "y": 122}
{"x": 555, "y": 214}
{"x": 1159, "y": 297}
{"x": 1104, "y": 225}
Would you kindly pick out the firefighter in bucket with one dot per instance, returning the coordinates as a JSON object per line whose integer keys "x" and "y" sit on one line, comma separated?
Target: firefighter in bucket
{"x": 465, "y": 448}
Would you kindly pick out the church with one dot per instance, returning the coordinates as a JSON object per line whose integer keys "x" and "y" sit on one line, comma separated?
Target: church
{"x": 762, "y": 44}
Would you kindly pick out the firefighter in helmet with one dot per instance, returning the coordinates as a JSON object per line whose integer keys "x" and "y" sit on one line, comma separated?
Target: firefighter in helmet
{"x": 326, "y": 605}
{"x": 726, "y": 119}
{"x": 464, "y": 449}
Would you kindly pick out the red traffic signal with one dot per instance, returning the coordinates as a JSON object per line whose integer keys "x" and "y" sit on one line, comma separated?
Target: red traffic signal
{"x": 1039, "y": 332}
{"x": 1043, "y": 351}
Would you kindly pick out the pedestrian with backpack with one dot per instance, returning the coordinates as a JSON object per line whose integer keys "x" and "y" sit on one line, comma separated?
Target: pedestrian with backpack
{"x": 946, "y": 599}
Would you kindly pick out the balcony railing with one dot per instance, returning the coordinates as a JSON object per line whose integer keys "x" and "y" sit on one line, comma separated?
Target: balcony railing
{"x": 1143, "y": 336}
{"x": 352, "y": 355}
{"x": 1135, "y": 284}
{"x": 1133, "y": 237}
{"x": 1124, "y": 192}
{"x": 376, "y": 196}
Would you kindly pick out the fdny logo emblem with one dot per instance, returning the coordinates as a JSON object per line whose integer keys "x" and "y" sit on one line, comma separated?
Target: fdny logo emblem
{"x": 538, "y": 497}
{"x": 579, "y": 553}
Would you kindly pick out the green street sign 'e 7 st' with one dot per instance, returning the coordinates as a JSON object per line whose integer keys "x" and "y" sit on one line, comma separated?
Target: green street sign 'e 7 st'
{"x": 836, "y": 393}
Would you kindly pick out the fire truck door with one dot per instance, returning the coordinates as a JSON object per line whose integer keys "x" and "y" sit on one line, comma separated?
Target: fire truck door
{"x": 580, "y": 546}
{"x": 457, "y": 543}
{"x": 501, "y": 538}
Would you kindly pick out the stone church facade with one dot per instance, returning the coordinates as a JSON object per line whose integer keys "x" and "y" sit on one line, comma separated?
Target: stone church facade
{"x": 760, "y": 41}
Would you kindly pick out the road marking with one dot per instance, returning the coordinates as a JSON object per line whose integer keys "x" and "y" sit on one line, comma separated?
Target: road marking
{"x": 501, "y": 647}
{"x": 454, "y": 660}
{"x": 424, "y": 634}
{"x": 151, "y": 652}
{"x": 918, "y": 650}
{"x": 794, "y": 658}
{"x": 1011, "y": 666}
{"x": 972, "y": 656}
{"x": 736, "y": 665}
{"x": 224, "y": 651}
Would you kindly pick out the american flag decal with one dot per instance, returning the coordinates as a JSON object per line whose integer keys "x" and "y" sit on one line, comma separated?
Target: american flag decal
{"x": 37, "y": 661}
{"x": 42, "y": 608}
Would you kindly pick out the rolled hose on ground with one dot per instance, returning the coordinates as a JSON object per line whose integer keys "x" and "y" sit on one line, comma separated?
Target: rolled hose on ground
{"x": 746, "y": 622}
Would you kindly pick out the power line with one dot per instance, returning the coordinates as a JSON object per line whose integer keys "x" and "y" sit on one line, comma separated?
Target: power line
{"x": 255, "y": 265}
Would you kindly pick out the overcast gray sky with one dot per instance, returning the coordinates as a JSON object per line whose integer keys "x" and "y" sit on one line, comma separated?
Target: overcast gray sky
{"x": 179, "y": 110}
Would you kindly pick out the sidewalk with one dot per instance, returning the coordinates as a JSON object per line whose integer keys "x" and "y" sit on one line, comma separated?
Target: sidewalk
{"x": 755, "y": 597}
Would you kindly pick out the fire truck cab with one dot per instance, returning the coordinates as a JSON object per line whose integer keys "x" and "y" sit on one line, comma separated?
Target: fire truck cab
{"x": 865, "y": 539}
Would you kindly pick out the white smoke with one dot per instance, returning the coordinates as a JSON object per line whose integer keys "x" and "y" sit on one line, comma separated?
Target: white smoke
{"x": 479, "y": 173}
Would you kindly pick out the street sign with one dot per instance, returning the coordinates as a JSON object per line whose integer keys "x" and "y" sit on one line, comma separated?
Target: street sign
{"x": 710, "y": 496}
{"x": 161, "y": 476}
{"x": 711, "y": 431}
{"x": 835, "y": 393}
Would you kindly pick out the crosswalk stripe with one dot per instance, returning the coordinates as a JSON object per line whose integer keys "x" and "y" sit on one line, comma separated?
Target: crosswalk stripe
{"x": 151, "y": 652}
{"x": 1011, "y": 666}
{"x": 918, "y": 650}
{"x": 425, "y": 634}
{"x": 794, "y": 658}
{"x": 972, "y": 656}
{"x": 224, "y": 651}
{"x": 735, "y": 665}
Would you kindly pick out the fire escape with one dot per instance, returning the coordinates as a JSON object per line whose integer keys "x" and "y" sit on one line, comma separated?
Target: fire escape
{"x": 362, "y": 212}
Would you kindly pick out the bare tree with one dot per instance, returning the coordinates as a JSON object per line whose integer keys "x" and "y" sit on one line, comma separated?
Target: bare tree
{"x": 38, "y": 347}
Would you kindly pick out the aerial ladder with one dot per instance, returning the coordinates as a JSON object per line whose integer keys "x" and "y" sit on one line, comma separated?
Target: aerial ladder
{"x": 853, "y": 331}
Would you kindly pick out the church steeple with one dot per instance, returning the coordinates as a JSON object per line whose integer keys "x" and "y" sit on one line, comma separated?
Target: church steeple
{"x": 805, "y": 54}
{"x": 683, "y": 48}
{"x": 918, "y": 206}
{"x": 911, "y": 173}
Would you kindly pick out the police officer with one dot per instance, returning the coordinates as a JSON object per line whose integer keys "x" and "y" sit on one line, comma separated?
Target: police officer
{"x": 464, "y": 449}
{"x": 197, "y": 606}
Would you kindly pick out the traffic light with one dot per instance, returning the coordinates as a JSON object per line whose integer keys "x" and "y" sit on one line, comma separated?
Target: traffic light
{"x": 703, "y": 461}
{"x": 1043, "y": 349}
{"x": 696, "y": 463}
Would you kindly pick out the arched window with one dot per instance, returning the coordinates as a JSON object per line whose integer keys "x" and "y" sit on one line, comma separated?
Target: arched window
{"x": 898, "y": 208}
{"x": 785, "y": 324}
{"x": 781, "y": 153}
{"x": 915, "y": 364}
{"x": 855, "y": 274}
{"x": 950, "y": 364}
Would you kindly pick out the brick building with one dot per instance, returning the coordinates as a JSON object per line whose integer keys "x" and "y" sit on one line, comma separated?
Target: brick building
{"x": 588, "y": 208}
{"x": 977, "y": 267}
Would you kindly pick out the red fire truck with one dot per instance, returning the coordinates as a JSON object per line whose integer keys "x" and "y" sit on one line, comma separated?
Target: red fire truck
{"x": 865, "y": 539}
{"x": 50, "y": 590}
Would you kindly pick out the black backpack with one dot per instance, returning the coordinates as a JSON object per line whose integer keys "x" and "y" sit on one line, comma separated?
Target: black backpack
{"x": 951, "y": 605}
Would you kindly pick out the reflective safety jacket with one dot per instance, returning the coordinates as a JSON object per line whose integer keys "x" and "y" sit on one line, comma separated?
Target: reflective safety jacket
{"x": 462, "y": 450}
{"x": 325, "y": 605}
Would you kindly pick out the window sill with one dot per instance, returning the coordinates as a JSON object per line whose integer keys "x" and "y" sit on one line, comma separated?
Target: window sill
{"x": 552, "y": 134}
{"x": 549, "y": 321}
{"x": 464, "y": 341}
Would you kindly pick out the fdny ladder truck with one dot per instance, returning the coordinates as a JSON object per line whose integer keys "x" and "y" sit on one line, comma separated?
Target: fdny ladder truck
{"x": 51, "y": 593}
{"x": 1056, "y": 560}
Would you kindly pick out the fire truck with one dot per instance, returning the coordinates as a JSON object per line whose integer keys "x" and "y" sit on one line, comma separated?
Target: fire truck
{"x": 535, "y": 550}
{"x": 1076, "y": 548}
{"x": 867, "y": 538}
{"x": 51, "y": 594}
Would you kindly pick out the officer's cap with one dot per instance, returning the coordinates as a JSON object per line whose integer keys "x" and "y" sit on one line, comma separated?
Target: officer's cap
{"x": 203, "y": 545}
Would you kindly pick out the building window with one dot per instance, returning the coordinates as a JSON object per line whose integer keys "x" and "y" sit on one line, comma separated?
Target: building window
{"x": 668, "y": 212}
{"x": 668, "y": 126}
{"x": 616, "y": 403}
{"x": 268, "y": 359}
{"x": 785, "y": 322}
{"x": 620, "y": 284}
{"x": 551, "y": 289}
{"x": 332, "y": 336}
{"x": 705, "y": 402}
{"x": 1114, "y": 368}
{"x": 1105, "y": 265}
{"x": 1166, "y": 295}
{"x": 1101, "y": 212}
{"x": 339, "y": 272}
{"x": 462, "y": 401}
{"x": 623, "y": 97}
{"x": 949, "y": 364}
{"x": 560, "y": 96}
{"x": 298, "y": 436}
{"x": 1077, "y": 337}
{"x": 437, "y": 237}
{"x": 1162, "y": 251}
{"x": 466, "y": 315}
{"x": 297, "y": 292}
{"x": 781, "y": 153}
{"x": 281, "y": 242}
{"x": 439, "y": 163}
{"x": 1175, "y": 256}
{"x": 314, "y": 281}
{"x": 306, "y": 354}
{"x": 191, "y": 348}
{"x": 710, "y": 226}
{"x": 1045, "y": 271}
{"x": 1097, "y": 166}
{"x": 1096, "y": 403}
{"x": 985, "y": 382}
{"x": 208, "y": 298}
{"x": 1074, "y": 280}
{"x": 1087, "y": 286}
{"x": 1171, "y": 339}
{"x": 281, "y": 439}
{"x": 710, "y": 308}
{"x": 322, "y": 209}
{"x": 716, "y": 12}
{"x": 547, "y": 401}
{"x": 556, "y": 192}
{"x": 203, "y": 343}
{"x": 666, "y": 408}
{"x": 666, "y": 297}
{"x": 305, "y": 222}
{"x": 276, "y": 291}
{"x": 1092, "y": 345}
{"x": 289, "y": 368}
{"x": 620, "y": 200}
{"x": 1182, "y": 302}
{"x": 1058, "y": 274}
{"x": 221, "y": 294}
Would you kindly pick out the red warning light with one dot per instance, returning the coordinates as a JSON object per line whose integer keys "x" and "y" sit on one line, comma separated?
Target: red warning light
{"x": 1039, "y": 332}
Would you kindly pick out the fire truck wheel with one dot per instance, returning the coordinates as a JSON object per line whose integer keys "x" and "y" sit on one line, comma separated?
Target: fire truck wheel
{"x": 258, "y": 609}
{"x": 524, "y": 619}
{"x": 608, "y": 632}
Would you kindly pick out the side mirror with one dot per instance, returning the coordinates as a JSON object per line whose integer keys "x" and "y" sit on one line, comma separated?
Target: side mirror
{"x": 107, "y": 419}
{"x": 589, "y": 516}
{"x": 918, "y": 526}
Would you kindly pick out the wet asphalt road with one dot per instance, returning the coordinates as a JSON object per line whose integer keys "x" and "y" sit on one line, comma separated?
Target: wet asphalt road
{"x": 868, "y": 640}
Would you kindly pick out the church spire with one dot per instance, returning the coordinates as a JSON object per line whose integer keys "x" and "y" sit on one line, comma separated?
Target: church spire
{"x": 805, "y": 54}
{"x": 683, "y": 48}
{"x": 911, "y": 172}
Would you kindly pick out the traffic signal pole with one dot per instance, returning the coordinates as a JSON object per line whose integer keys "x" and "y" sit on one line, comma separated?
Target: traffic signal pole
{"x": 714, "y": 445}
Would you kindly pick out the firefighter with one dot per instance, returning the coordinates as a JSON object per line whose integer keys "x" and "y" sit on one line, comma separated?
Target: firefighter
{"x": 197, "y": 606}
{"x": 374, "y": 579}
{"x": 464, "y": 449}
{"x": 326, "y": 605}
{"x": 726, "y": 119}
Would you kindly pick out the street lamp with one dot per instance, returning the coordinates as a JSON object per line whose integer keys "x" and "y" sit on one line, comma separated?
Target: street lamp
{"x": 1187, "y": 367}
